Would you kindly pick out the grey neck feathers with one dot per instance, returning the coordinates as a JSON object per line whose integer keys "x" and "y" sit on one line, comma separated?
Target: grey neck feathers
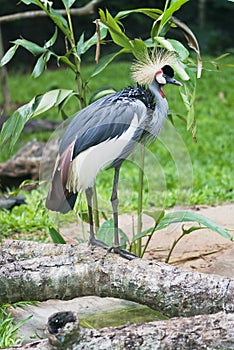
{"x": 160, "y": 112}
{"x": 161, "y": 102}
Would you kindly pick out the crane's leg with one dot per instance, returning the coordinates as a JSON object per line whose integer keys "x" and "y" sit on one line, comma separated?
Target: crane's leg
{"x": 115, "y": 204}
{"x": 92, "y": 240}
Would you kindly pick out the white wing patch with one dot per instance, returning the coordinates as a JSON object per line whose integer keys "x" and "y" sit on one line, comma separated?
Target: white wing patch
{"x": 85, "y": 167}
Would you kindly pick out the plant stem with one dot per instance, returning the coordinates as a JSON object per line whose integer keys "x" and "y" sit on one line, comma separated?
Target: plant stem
{"x": 149, "y": 238}
{"x": 173, "y": 246}
{"x": 140, "y": 198}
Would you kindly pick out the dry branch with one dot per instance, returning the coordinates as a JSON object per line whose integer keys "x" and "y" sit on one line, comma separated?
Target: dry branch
{"x": 198, "y": 332}
{"x": 34, "y": 271}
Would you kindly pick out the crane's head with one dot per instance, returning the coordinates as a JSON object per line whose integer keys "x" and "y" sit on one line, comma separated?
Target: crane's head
{"x": 156, "y": 69}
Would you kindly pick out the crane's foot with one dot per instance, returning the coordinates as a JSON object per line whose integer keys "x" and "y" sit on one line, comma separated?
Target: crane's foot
{"x": 93, "y": 242}
{"x": 123, "y": 253}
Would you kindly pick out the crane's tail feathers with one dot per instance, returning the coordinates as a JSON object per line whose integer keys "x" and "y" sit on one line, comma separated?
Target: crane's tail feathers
{"x": 59, "y": 198}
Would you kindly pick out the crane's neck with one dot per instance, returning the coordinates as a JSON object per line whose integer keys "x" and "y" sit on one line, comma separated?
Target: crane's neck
{"x": 161, "y": 102}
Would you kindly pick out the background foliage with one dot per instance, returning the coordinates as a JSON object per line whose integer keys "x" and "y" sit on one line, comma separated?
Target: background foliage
{"x": 213, "y": 25}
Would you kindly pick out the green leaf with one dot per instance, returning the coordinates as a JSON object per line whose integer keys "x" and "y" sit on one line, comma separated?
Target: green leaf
{"x": 29, "y": 2}
{"x": 41, "y": 64}
{"x": 66, "y": 60}
{"x": 51, "y": 41}
{"x": 116, "y": 33}
{"x": 186, "y": 216}
{"x": 152, "y": 13}
{"x": 139, "y": 49}
{"x": 157, "y": 215}
{"x": 175, "y": 6}
{"x": 68, "y": 3}
{"x": 100, "y": 93}
{"x": 13, "y": 127}
{"x": 8, "y": 55}
{"x": 50, "y": 99}
{"x": 192, "y": 42}
{"x": 105, "y": 61}
{"x": 30, "y": 46}
{"x": 56, "y": 236}
{"x": 60, "y": 21}
{"x": 83, "y": 46}
{"x": 142, "y": 234}
{"x": 188, "y": 94}
{"x": 106, "y": 234}
{"x": 174, "y": 45}
{"x": 80, "y": 44}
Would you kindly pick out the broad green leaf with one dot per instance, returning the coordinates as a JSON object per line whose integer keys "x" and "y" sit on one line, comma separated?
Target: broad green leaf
{"x": 30, "y": 46}
{"x": 106, "y": 234}
{"x": 139, "y": 49}
{"x": 68, "y": 3}
{"x": 8, "y": 55}
{"x": 105, "y": 61}
{"x": 39, "y": 67}
{"x": 186, "y": 216}
{"x": 56, "y": 236}
{"x": 180, "y": 49}
{"x": 50, "y": 99}
{"x": 13, "y": 127}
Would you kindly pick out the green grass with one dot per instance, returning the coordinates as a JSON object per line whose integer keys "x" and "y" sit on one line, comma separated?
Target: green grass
{"x": 177, "y": 171}
{"x": 8, "y": 328}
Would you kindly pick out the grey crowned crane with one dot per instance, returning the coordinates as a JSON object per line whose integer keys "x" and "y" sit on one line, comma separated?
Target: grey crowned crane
{"x": 104, "y": 134}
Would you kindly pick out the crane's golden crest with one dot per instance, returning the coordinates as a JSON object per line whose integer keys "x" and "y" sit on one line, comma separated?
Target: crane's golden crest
{"x": 143, "y": 72}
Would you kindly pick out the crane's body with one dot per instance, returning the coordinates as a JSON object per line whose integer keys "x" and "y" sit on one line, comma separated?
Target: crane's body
{"x": 103, "y": 135}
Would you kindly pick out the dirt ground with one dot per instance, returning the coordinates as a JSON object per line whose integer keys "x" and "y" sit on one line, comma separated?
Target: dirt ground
{"x": 202, "y": 250}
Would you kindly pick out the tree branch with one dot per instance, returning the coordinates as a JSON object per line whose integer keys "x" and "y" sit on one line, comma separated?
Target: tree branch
{"x": 35, "y": 271}
{"x": 86, "y": 10}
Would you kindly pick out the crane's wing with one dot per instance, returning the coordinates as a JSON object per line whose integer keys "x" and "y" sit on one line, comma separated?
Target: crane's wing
{"x": 104, "y": 120}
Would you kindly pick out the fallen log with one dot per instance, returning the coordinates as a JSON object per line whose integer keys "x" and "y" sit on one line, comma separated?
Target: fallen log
{"x": 27, "y": 164}
{"x": 199, "y": 332}
{"x": 36, "y": 271}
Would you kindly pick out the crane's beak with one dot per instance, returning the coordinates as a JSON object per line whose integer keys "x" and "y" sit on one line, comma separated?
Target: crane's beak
{"x": 170, "y": 80}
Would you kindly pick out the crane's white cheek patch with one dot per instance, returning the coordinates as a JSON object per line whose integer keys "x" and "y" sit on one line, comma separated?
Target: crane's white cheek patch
{"x": 85, "y": 167}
